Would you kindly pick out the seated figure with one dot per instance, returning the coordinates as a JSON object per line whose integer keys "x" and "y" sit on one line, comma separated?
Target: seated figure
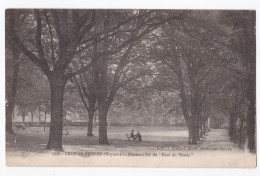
{"x": 132, "y": 134}
{"x": 139, "y": 137}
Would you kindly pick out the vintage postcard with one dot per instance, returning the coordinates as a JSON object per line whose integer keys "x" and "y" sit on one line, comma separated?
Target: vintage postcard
{"x": 130, "y": 88}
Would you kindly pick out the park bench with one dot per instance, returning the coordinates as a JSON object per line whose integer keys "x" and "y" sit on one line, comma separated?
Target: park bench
{"x": 128, "y": 136}
{"x": 19, "y": 126}
{"x": 66, "y": 131}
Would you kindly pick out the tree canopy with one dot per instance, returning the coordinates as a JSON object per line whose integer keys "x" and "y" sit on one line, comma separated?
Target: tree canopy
{"x": 150, "y": 67}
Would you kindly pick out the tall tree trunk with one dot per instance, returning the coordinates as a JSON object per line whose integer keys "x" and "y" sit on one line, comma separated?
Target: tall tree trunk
{"x": 251, "y": 119}
{"x": 235, "y": 129}
{"x": 64, "y": 118}
{"x": 190, "y": 133}
{"x": 231, "y": 125}
{"x": 201, "y": 129}
{"x": 234, "y": 114}
{"x": 9, "y": 121}
{"x": 91, "y": 106}
{"x": 103, "y": 105}
{"x": 241, "y": 132}
{"x": 39, "y": 114}
{"x": 44, "y": 123}
{"x": 197, "y": 128}
{"x": 13, "y": 115}
{"x": 193, "y": 131}
{"x": 102, "y": 115}
{"x": 23, "y": 117}
{"x": 32, "y": 118}
{"x": 204, "y": 125}
{"x": 91, "y": 111}
{"x": 184, "y": 105}
{"x": 194, "y": 127}
{"x": 102, "y": 87}
{"x": 11, "y": 84}
{"x": 250, "y": 59}
{"x": 57, "y": 85}
{"x": 90, "y": 122}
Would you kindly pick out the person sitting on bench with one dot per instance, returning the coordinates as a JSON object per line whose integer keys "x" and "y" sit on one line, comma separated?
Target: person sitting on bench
{"x": 134, "y": 137}
{"x": 132, "y": 134}
{"x": 139, "y": 137}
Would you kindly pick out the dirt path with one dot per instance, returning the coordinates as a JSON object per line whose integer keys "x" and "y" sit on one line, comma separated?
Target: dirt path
{"x": 218, "y": 138}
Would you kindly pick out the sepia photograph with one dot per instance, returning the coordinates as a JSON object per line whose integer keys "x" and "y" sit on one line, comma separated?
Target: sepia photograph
{"x": 170, "y": 88}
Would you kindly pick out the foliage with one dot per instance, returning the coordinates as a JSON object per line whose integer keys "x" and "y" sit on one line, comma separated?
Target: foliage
{"x": 152, "y": 67}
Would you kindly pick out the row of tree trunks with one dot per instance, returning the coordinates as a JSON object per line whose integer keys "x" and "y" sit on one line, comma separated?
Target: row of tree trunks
{"x": 204, "y": 124}
{"x": 237, "y": 118}
{"x": 55, "y": 70}
{"x": 249, "y": 56}
{"x": 12, "y": 61}
{"x": 197, "y": 126}
{"x": 238, "y": 131}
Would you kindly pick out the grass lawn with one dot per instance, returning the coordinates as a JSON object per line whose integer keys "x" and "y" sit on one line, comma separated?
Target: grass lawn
{"x": 33, "y": 139}
{"x": 168, "y": 143}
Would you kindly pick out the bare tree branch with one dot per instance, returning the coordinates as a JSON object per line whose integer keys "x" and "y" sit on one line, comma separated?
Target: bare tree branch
{"x": 74, "y": 79}
{"x": 82, "y": 70}
{"x": 50, "y": 31}
{"x": 39, "y": 35}
{"x": 39, "y": 62}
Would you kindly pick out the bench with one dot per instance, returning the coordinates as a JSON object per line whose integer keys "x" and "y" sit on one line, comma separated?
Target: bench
{"x": 65, "y": 131}
{"x": 128, "y": 136}
{"x": 19, "y": 126}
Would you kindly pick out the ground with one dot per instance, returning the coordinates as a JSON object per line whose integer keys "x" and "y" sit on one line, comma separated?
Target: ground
{"x": 160, "y": 141}
{"x": 34, "y": 139}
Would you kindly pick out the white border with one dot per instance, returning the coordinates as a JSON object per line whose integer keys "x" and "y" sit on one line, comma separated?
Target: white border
{"x": 101, "y": 4}
{"x": 145, "y": 4}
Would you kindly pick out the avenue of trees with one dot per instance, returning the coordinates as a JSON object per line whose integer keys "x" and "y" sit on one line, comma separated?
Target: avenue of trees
{"x": 151, "y": 63}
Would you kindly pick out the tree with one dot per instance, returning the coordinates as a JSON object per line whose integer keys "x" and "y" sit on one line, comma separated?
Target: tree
{"x": 46, "y": 110}
{"x": 190, "y": 49}
{"x": 107, "y": 52}
{"x": 56, "y": 37}
{"x": 22, "y": 111}
{"x": 11, "y": 84}
{"x": 87, "y": 93}
{"x": 248, "y": 42}
{"x": 117, "y": 65}
{"x": 33, "y": 90}
{"x": 13, "y": 61}
{"x": 243, "y": 43}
